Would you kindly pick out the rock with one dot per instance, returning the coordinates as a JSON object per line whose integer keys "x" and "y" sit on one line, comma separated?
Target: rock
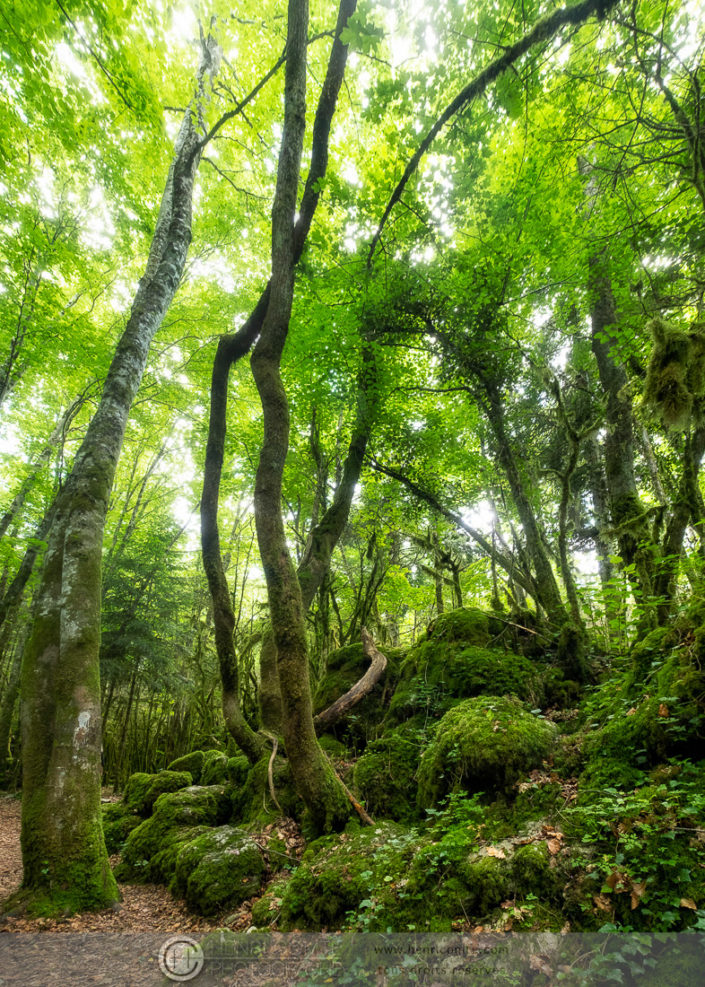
{"x": 482, "y": 745}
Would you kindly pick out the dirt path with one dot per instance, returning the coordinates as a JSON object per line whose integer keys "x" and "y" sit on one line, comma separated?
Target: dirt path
{"x": 144, "y": 908}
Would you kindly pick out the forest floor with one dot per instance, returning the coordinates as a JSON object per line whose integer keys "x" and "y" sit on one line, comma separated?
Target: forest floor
{"x": 144, "y": 908}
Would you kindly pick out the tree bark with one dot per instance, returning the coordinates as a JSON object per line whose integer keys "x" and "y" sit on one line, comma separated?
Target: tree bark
{"x": 65, "y": 862}
{"x": 357, "y": 692}
{"x": 313, "y": 776}
{"x": 230, "y": 349}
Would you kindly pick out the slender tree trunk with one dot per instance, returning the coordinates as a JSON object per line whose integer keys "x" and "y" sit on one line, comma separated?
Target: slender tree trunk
{"x": 63, "y": 851}
{"x": 549, "y": 596}
{"x": 313, "y": 776}
{"x": 231, "y": 349}
{"x": 7, "y": 707}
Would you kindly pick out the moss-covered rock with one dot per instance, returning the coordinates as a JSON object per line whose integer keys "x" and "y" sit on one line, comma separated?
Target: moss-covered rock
{"x": 118, "y": 822}
{"x": 332, "y": 746}
{"x": 238, "y": 770}
{"x": 385, "y": 775}
{"x": 163, "y": 783}
{"x": 193, "y": 763}
{"x": 151, "y": 848}
{"x": 215, "y": 768}
{"x": 335, "y": 875}
{"x": 266, "y": 910}
{"x": 482, "y": 745}
{"x": 452, "y": 661}
{"x": 220, "y": 868}
{"x": 136, "y": 789}
{"x": 532, "y": 873}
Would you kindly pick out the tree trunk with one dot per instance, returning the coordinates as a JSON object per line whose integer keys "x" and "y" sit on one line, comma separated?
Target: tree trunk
{"x": 231, "y": 349}
{"x": 549, "y": 596}
{"x": 63, "y": 851}
{"x": 313, "y": 776}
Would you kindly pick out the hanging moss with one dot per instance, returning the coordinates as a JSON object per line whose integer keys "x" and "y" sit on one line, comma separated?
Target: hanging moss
{"x": 676, "y": 372}
{"x": 193, "y": 763}
{"x": 118, "y": 822}
{"x": 385, "y": 775}
{"x": 482, "y": 745}
{"x": 218, "y": 869}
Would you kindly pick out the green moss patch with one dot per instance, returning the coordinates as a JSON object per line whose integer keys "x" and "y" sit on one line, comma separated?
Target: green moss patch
{"x": 482, "y": 745}
{"x": 219, "y": 868}
{"x": 163, "y": 783}
{"x": 136, "y": 789}
{"x": 385, "y": 775}
{"x": 151, "y": 848}
{"x": 215, "y": 768}
{"x": 118, "y": 822}
{"x": 193, "y": 763}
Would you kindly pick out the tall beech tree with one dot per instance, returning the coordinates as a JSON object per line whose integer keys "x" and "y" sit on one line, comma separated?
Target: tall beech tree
{"x": 64, "y": 858}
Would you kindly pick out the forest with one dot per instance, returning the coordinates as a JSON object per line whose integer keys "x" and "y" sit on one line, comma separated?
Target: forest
{"x": 352, "y": 411}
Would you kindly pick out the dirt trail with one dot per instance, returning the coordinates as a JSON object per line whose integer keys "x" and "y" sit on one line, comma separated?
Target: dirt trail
{"x": 144, "y": 908}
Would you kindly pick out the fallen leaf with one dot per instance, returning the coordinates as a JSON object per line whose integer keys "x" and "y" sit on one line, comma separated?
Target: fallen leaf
{"x": 602, "y": 902}
{"x": 554, "y": 846}
{"x": 632, "y": 711}
{"x": 688, "y": 903}
{"x": 495, "y": 851}
{"x": 663, "y": 710}
{"x": 638, "y": 893}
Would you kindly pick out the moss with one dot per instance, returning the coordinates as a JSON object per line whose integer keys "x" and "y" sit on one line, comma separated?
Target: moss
{"x": 151, "y": 849}
{"x": 482, "y": 745}
{"x": 571, "y": 652}
{"x": 136, "y": 789}
{"x": 532, "y": 873}
{"x": 266, "y": 910}
{"x": 164, "y": 782}
{"x": 488, "y": 883}
{"x": 252, "y": 802}
{"x": 193, "y": 763}
{"x": 219, "y": 868}
{"x": 466, "y": 624}
{"x": 118, "y": 822}
{"x": 335, "y": 875}
{"x": 440, "y": 670}
{"x": 667, "y": 721}
{"x": 333, "y": 747}
{"x": 385, "y": 775}
{"x": 344, "y": 668}
{"x": 215, "y": 768}
{"x": 238, "y": 770}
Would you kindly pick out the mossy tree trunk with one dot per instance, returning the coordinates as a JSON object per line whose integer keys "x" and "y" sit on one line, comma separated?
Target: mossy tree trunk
{"x": 230, "y": 350}
{"x": 546, "y": 586}
{"x": 313, "y": 776}
{"x": 636, "y": 547}
{"x": 63, "y": 852}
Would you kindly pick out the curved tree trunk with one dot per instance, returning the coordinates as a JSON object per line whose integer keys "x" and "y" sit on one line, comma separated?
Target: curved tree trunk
{"x": 63, "y": 851}
{"x": 231, "y": 349}
{"x": 313, "y": 776}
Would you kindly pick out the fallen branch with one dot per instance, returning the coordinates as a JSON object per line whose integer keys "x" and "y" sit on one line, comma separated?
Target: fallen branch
{"x": 363, "y": 687}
